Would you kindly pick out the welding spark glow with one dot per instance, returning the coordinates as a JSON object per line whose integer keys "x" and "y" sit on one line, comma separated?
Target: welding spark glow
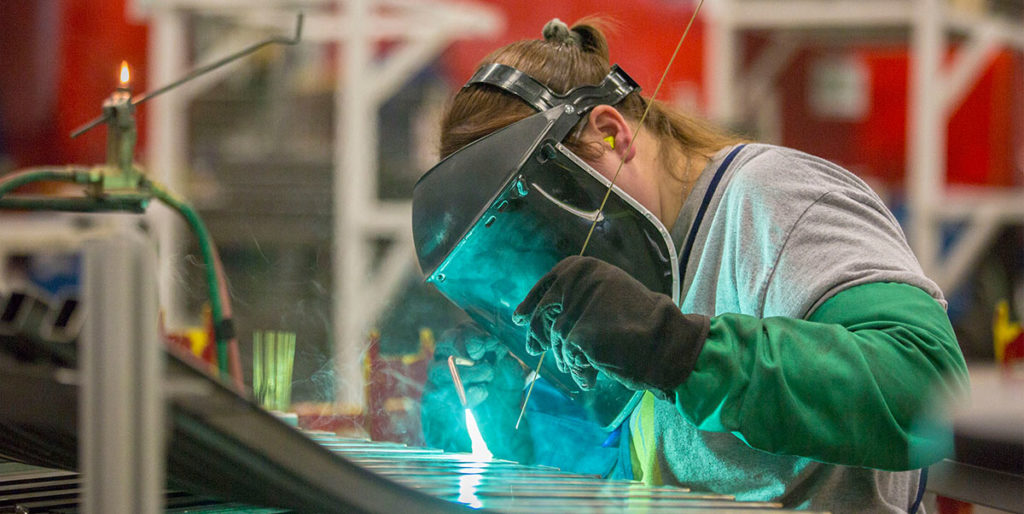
{"x": 476, "y": 438}
{"x": 125, "y": 75}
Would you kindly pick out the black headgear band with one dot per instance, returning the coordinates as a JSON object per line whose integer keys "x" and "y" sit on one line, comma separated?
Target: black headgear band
{"x": 615, "y": 86}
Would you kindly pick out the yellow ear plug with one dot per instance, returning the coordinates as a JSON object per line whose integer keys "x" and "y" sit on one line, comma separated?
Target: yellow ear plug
{"x": 611, "y": 141}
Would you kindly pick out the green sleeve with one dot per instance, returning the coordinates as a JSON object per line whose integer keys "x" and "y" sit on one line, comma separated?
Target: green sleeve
{"x": 855, "y": 384}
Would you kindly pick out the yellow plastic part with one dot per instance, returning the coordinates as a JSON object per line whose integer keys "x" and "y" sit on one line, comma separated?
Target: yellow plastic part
{"x": 1004, "y": 331}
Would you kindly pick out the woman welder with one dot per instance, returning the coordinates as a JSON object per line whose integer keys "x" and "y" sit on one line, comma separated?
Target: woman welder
{"x": 807, "y": 342}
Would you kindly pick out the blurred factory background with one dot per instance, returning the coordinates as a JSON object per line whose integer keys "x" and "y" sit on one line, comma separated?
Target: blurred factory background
{"x": 301, "y": 159}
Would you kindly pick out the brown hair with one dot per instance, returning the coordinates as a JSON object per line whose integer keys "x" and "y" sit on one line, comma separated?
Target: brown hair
{"x": 566, "y": 59}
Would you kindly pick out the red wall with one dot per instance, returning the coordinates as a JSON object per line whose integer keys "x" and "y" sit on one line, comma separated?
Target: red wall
{"x": 59, "y": 60}
{"x": 981, "y": 132}
{"x": 29, "y": 47}
{"x": 982, "y": 135}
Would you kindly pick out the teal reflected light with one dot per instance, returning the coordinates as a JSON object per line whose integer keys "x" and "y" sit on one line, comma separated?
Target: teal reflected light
{"x": 496, "y": 264}
{"x": 468, "y": 485}
{"x": 493, "y": 218}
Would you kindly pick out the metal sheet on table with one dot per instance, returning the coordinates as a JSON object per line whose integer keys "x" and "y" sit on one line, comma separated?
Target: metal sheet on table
{"x": 512, "y": 487}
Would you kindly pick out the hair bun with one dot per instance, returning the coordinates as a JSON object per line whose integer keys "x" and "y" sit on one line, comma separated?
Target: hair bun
{"x": 556, "y": 31}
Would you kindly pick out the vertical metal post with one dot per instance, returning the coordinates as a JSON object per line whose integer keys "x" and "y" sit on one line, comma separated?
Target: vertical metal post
{"x": 926, "y": 133}
{"x": 121, "y": 452}
{"x": 721, "y": 61}
{"x": 150, "y": 443}
{"x": 354, "y": 173}
{"x": 167, "y": 146}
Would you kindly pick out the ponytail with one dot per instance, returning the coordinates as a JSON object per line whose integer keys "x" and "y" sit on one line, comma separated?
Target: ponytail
{"x": 564, "y": 59}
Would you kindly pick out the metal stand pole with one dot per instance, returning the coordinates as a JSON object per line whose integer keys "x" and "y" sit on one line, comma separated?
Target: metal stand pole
{"x": 121, "y": 440}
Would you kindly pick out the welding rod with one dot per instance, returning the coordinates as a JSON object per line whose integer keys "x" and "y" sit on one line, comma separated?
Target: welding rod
{"x": 458, "y": 381}
{"x": 535, "y": 375}
{"x": 296, "y": 37}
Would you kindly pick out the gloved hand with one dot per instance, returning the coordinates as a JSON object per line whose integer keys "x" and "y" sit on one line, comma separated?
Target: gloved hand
{"x": 593, "y": 316}
{"x": 493, "y": 385}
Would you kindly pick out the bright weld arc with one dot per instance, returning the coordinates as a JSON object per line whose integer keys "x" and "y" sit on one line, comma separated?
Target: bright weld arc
{"x": 476, "y": 439}
{"x": 597, "y": 216}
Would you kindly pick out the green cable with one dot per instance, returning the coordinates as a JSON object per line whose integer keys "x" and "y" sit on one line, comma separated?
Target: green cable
{"x": 191, "y": 217}
{"x": 206, "y": 248}
{"x": 42, "y": 175}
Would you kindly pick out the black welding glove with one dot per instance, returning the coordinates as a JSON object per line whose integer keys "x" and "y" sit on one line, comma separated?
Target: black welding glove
{"x": 493, "y": 384}
{"x": 593, "y": 316}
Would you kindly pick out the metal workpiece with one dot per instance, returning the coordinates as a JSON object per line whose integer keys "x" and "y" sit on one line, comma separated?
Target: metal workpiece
{"x": 504, "y": 486}
{"x": 223, "y": 451}
{"x": 127, "y": 412}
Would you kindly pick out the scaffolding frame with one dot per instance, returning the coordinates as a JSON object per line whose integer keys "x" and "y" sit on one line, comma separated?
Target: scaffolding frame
{"x": 362, "y": 287}
{"x": 736, "y": 91}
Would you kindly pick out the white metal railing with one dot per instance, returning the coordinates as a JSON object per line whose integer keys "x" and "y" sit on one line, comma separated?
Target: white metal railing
{"x": 935, "y": 89}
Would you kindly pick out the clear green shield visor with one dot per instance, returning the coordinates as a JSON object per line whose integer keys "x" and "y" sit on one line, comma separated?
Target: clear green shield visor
{"x": 491, "y": 219}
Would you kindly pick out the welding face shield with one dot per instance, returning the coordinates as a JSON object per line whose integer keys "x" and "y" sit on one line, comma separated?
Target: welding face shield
{"x": 492, "y": 218}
